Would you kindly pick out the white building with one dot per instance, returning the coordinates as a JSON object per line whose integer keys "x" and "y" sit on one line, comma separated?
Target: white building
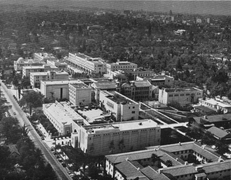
{"x": 44, "y": 56}
{"x": 26, "y": 70}
{"x": 62, "y": 116}
{"x": 183, "y": 96}
{"x": 104, "y": 139}
{"x": 79, "y": 94}
{"x": 121, "y": 65}
{"x": 121, "y": 107}
{"x": 20, "y": 63}
{"x": 62, "y": 66}
{"x": 86, "y": 63}
{"x": 56, "y": 89}
{"x": 37, "y": 77}
{"x": 216, "y": 105}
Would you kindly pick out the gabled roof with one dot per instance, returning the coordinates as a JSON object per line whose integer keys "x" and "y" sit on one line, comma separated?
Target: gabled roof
{"x": 152, "y": 174}
{"x": 218, "y": 132}
{"x": 129, "y": 170}
{"x": 214, "y": 167}
{"x": 179, "y": 170}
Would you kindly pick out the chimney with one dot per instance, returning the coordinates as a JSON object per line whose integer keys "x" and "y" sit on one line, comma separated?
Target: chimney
{"x": 179, "y": 143}
{"x": 203, "y": 146}
{"x": 186, "y": 163}
{"x": 205, "y": 117}
{"x": 176, "y": 159}
{"x": 127, "y": 159}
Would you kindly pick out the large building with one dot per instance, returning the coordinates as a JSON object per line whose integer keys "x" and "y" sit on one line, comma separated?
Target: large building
{"x": 79, "y": 94}
{"x": 121, "y": 107}
{"x": 37, "y": 77}
{"x": 26, "y": 70}
{"x": 169, "y": 162}
{"x": 137, "y": 90}
{"x": 102, "y": 139}
{"x": 56, "y": 89}
{"x": 86, "y": 63}
{"x": 63, "y": 117}
{"x": 125, "y": 66}
{"x": 183, "y": 96}
{"x": 20, "y": 63}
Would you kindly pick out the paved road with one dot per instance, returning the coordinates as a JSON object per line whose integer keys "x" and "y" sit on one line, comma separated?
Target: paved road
{"x": 21, "y": 116}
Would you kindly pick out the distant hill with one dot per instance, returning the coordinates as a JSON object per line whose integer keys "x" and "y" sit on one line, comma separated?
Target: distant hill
{"x": 192, "y": 7}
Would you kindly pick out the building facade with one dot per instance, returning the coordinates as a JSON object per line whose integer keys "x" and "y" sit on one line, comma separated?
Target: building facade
{"x": 56, "y": 89}
{"x": 182, "y": 96}
{"x": 125, "y": 66}
{"x": 86, "y": 63}
{"x": 121, "y": 107}
{"x": 61, "y": 116}
{"x": 26, "y": 70}
{"x": 104, "y": 139}
{"x": 20, "y": 63}
{"x": 137, "y": 90}
{"x": 79, "y": 94}
{"x": 37, "y": 77}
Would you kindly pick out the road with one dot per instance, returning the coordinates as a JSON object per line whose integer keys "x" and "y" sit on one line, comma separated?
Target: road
{"x": 21, "y": 116}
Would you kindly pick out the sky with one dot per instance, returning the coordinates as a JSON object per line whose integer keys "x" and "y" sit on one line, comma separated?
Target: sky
{"x": 181, "y": 6}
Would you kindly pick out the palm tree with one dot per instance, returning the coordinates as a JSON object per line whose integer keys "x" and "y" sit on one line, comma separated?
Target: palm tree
{"x": 121, "y": 145}
{"x": 111, "y": 146}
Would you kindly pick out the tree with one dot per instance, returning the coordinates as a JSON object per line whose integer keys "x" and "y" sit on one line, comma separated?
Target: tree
{"x": 25, "y": 82}
{"x": 32, "y": 100}
{"x": 11, "y": 129}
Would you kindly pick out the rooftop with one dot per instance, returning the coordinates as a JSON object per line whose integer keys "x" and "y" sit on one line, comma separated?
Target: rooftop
{"x": 62, "y": 112}
{"x": 119, "y": 98}
{"x": 215, "y": 118}
{"x": 179, "y": 170}
{"x": 61, "y": 82}
{"x": 214, "y": 167}
{"x": 218, "y": 132}
{"x": 80, "y": 85}
{"x": 122, "y": 126}
{"x": 217, "y": 103}
{"x": 181, "y": 89}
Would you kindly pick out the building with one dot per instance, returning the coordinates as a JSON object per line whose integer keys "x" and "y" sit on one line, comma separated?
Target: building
{"x": 62, "y": 66}
{"x": 104, "y": 85}
{"x": 20, "y": 63}
{"x": 219, "y": 134}
{"x": 168, "y": 162}
{"x": 56, "y": 89}
{"x": 26, "y": 70}
{"x": 125, "y": 66}
{"x": 137, "y": 90}
{"x": 217, "y": 105}
{"x": 37, "y": 77}
{"x": 63, "y": 117}
{"x": 142, "y": 73}
{"x": 79, "y": 94}
{"x": 101, "y": 139}
{"x": 162, "y": 80}
{"x": 44, "y": 57}
{"x": 86, "y": 63}
{"x": 183, "y": 96}
{"x": 121, "y": 107}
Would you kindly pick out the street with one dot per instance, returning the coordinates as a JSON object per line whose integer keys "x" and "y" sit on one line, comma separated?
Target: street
{"x": 21, "y": 116}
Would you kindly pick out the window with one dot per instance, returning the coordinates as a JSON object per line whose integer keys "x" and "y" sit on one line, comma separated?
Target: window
{"x": 133, "y": 112}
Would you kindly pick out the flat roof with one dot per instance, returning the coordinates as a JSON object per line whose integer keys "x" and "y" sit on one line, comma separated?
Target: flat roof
{"x": 215, "y": 102}
{"x": 181, "y": 89}
{"x": 62, "y": 112}
{"x": 122, "y": 126}
{"x": 80, "y": 85}
{"x": 58, "y": 82}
